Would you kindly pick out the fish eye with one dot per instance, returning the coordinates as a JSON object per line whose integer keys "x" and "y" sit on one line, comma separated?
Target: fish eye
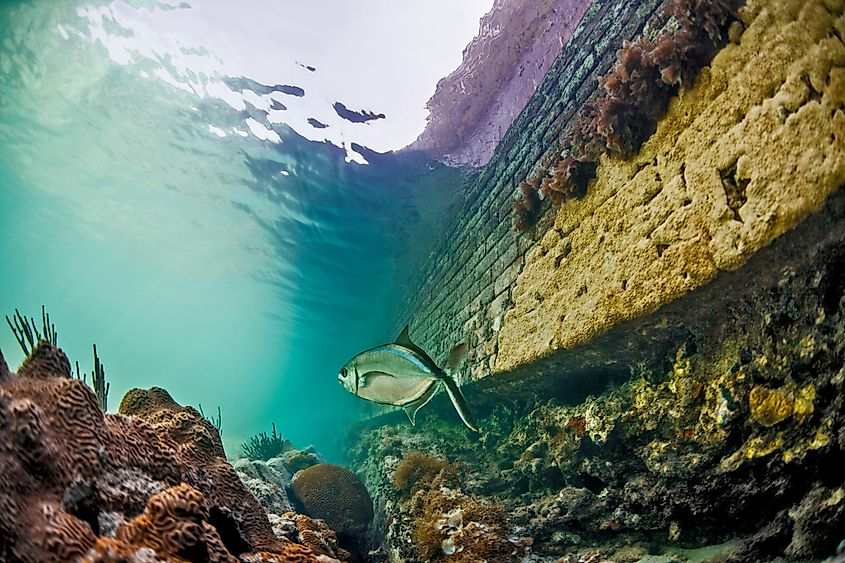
{"x": 343, "y": 372}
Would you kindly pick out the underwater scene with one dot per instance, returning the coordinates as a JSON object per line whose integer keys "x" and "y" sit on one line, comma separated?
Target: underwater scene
{"x": 540, "y": 281}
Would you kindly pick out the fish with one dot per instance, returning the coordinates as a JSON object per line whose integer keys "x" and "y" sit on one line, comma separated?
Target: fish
{"x": 402, "y": 374}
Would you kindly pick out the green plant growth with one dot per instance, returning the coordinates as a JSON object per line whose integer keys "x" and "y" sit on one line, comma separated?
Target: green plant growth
{"x": 263, "y": 447}
{"x": 28, "y": 336}
{"x": 98, "y": 381}
{"x": 216, "y": 422}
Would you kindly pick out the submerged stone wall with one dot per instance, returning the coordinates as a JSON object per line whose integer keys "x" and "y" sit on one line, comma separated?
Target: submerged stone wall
{"x": 464, "y": 288}
{"x": 740, "y": 159}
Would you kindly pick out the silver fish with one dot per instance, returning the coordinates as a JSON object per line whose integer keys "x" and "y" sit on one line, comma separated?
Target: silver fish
{"x": 403, "y": 375}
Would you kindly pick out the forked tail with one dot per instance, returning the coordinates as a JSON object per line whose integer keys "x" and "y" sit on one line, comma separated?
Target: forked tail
{"x": 460, "y": 403}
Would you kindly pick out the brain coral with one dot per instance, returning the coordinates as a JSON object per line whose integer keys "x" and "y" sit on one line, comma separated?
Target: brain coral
{"x": 80, "y": 484}
{"x": 335, "y": 495}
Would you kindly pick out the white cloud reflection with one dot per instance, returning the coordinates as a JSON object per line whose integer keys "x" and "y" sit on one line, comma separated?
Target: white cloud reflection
{"x": 377, "y": 56}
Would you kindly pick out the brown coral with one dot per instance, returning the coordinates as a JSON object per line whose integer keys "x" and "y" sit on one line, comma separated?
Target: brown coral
{"x": 72, "y": 475}
{"x": 335, "y": 495}
{"x": 174, "y": 524}
{"x": 419, "y": 470}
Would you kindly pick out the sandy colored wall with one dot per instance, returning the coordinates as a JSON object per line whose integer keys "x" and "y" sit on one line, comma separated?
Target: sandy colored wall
{"x": 463, "y": 289}
{"x": 749, "y": 152}
{"x": 753, "y": 149}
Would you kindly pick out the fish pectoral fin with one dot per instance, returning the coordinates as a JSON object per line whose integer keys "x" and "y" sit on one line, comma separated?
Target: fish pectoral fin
{"x": 368, "y": 377}
{"x": 412, "y": 407}
{"x": 456, "y": 358}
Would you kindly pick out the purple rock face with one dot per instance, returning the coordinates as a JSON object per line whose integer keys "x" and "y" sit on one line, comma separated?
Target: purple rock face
{"x": 473, "y": 107}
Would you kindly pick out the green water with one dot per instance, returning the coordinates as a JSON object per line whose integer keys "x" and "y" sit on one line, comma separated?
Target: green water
{"x": 232, "y": 271}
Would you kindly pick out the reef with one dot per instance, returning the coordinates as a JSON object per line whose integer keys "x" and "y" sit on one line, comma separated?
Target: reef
{"x": 726, "y": 447}
{"x": 150, "y": 483}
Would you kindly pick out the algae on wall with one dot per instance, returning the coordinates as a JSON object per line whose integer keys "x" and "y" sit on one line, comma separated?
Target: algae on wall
{"x": 741, "y": 158}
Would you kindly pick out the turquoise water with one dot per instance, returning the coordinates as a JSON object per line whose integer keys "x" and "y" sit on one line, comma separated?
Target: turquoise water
{"x": 203, "y": 247}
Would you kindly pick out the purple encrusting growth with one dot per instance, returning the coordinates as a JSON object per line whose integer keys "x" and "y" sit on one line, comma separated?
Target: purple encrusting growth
{"x": 635, "y": 94}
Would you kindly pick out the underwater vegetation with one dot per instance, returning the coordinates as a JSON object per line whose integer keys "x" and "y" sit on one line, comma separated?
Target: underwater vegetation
{"x": 263, "y": 447}
{"x": 217, "y": 421}
{"x": 150, "y": 482}
{"x": 28, "y": 336}
{"x": 636, "y": 92}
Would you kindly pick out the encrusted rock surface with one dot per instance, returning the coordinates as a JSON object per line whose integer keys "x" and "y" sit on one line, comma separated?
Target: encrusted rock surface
{"x": 741, "y": 158}
{"x": 151, "y": 486}
{"x": 472, "y": 108}
{"x": 735, "y": 438}
{"x": 267, "y": 481}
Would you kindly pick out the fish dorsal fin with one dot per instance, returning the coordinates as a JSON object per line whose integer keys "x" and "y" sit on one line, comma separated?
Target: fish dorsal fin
{"x": 456, "y": 358}
{"x": 404, "y": 340}
{"x": 412, "y": 408}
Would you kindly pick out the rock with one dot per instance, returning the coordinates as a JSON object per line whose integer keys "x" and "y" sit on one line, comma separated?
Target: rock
{"x": 268, "y": 482}
{"x": 818, "y": 523}
{"x": 296, "y": 460}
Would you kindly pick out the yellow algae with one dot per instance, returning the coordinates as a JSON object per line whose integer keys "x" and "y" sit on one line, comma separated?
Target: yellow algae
{"x": 803, "y": 406}
{"x": 769, "y": 406}
{"x": 742, "y": 157}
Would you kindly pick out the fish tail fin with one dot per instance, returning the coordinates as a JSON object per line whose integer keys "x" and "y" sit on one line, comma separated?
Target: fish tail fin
{"x": 456, "y": 358}
{"x": 460, "y": 403}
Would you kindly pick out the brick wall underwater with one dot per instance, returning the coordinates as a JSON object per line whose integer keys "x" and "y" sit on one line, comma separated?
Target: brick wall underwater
{"x": 463, "y": 290}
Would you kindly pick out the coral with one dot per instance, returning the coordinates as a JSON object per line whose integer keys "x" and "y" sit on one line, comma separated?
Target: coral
{"x": 769, "y": 406}
{"x": 28, "y": 337}
{"x": 174, "y": 524}
{"x": 568, "y": 179}
{"x": 217, "y": 422}
{"x": 450, "y": 524}
{"x": 98, "y": 382}
{"x": 27, "y": 334}
{"x": 72, "y": 476}
{"x": 418, "y": 469}
{"x": 526, "y": 207}
{"x": 262, "y": 446}
{"x": 335, "y": 495}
